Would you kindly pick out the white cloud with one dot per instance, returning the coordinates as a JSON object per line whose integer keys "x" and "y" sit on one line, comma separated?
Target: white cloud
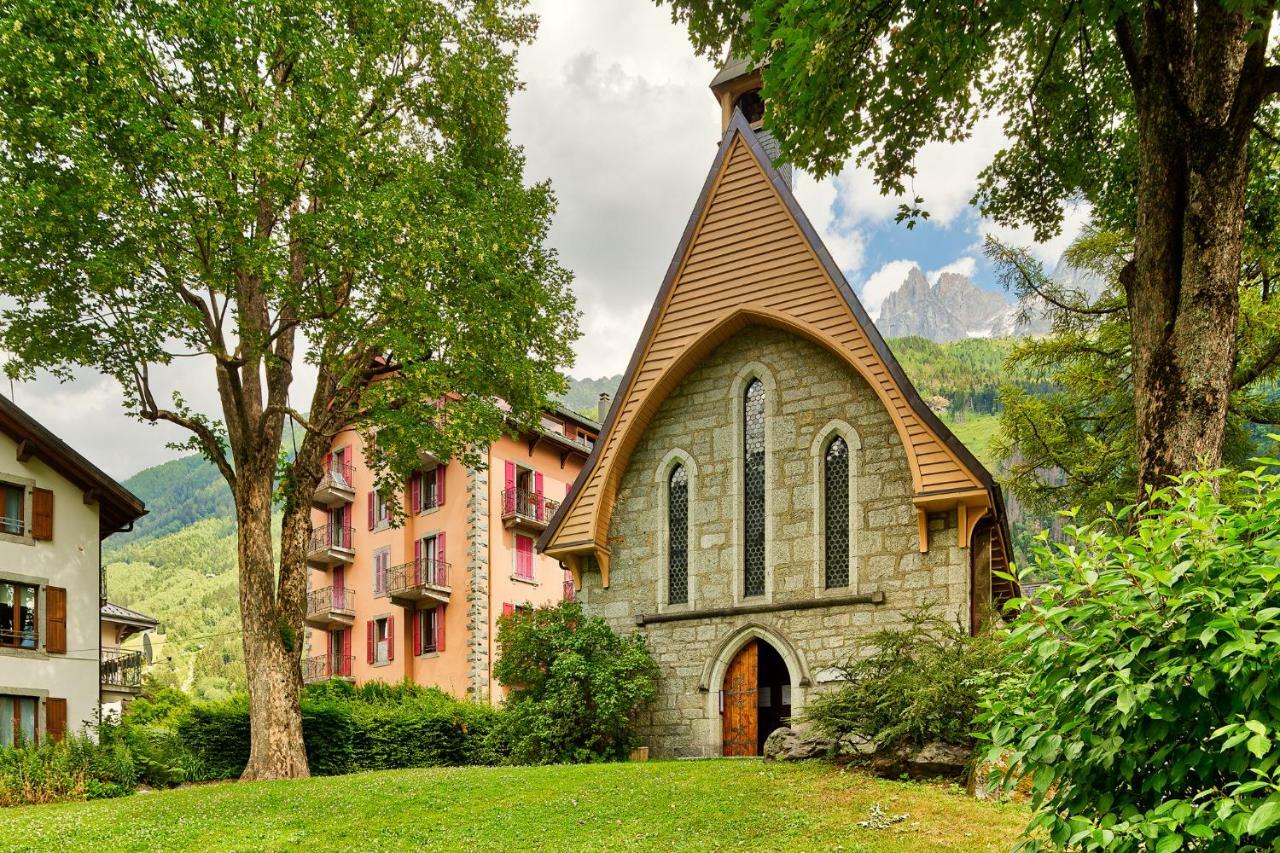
{"x": 843, "y": 240}
{"x": 1075, "y": 218}
{"x": 881, "y": 283}
{"x": 966, "y": 266}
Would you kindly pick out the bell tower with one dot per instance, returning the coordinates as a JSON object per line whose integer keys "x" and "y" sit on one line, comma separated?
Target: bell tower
{"x": 737, "y": 87}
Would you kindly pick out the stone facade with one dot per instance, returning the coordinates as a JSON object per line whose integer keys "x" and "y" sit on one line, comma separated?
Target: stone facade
{"x": 811, "y": 394}
{"x": 478, "y": 583}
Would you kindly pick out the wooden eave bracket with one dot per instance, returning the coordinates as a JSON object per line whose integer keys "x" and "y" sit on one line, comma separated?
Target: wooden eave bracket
{"x": 971, "y": 505}
{"x": 572, "y": 560}
{"x": 25, "y": 450}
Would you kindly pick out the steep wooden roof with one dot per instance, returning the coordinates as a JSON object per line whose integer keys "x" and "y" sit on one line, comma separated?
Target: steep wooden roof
{"x": 750, "y": 256}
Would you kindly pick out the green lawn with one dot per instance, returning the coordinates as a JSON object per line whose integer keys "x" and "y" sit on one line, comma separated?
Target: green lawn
{"x": 660, "y": 805}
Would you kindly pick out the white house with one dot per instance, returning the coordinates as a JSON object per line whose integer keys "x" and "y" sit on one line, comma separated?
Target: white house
{"x": 56, "y": 509}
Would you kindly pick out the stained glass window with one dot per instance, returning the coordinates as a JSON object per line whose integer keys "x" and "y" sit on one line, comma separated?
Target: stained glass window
{"x": 835, "y": 502}
{"x": 753, "y": 492}
{"x": 678, "y": 536}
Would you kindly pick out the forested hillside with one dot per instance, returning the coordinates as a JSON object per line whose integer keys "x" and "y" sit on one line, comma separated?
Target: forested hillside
{"x": 179, "y": 563}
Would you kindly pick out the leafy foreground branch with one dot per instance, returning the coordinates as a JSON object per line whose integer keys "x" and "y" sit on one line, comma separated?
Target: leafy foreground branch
{"x": 1144, "y": 704}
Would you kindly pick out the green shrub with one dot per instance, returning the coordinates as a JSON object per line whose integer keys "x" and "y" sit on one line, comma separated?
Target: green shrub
{"x": 575, "y": 686}
{"x": 217, "y": 733}
{"x": 70, "y": 769}
{"x": 421, "y": 732}
{"x": 1145, "y": 704}
{"x": 909, "y": 685}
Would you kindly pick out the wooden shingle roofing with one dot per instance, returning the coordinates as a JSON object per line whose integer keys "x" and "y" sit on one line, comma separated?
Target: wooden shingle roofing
{"x": 750, "y": 256}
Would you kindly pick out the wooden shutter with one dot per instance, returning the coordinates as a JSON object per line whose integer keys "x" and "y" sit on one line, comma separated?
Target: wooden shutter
{"x": 339, "y": 587}
{"x": 439, "y": 627}
{"x": 419, "y": 570}
{"x": 508, "y": 609}
{"x": 391, "y": 638}
{"x": 42, "y": 514}
{"x": 328, "y": 464}
{"x": 55, "y": 619}
{"x": 415, "y": 491}
{"x": 55, "y": 718}
{"x": 345, "y": 666}
{"x": 371, "y": 519}
{"x": 509, "y": 488}
{"x": 415, "y": 628}
{"x": 524, "y": 556}
{"x": 369, "y": 645}
{"x": 537, "y": 491}
{"x": 440, "y": 577}
{"x": 440, "y": 469}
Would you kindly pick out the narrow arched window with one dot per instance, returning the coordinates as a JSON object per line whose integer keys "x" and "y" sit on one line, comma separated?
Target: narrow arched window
{"x": 753, "y": 492}
{"x": 678, "y": 536}
{"x": 835, "y": 508}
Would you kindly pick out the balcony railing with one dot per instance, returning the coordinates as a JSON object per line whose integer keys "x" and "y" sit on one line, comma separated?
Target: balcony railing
{"x": 331, "y": 544}
{"x": 418, "y": 580}
{"x": 120, "y": 668}
{"x": 324, "y": 667}
{"x": 13, "y": 526}
{"x": 524, "y": 506}
{"x": 331, "y": 606}
{"x": 336, "y": 486}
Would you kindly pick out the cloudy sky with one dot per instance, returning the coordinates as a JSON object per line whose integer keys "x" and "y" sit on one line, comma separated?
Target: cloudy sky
{"x": 617, "y": 114}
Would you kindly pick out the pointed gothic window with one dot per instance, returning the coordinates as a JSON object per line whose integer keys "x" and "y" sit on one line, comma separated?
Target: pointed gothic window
{"x": 835, "y": 503}
{"x": 753, "y": 492}
{"x": 678, "y": 536}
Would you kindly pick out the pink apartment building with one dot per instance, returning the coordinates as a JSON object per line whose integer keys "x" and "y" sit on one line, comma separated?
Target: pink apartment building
{"x": 421, "y": 601}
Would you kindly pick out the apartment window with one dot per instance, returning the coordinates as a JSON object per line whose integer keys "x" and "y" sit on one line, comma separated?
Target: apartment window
{"x": 381, "y": 567}
{"x": 15, "y": 499}
{"x": 678, "y": 536}
{"x": 381, "y": 640}
{"x": 18, "y": 720}
{"x": 428, "y": 629}
{"x": 18, "y": 615}
{"x": 753, "y": 481}
{"x": 835, "y": 508}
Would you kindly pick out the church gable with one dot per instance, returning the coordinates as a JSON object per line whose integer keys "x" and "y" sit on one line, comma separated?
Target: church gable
{"x": 750, "y": 256}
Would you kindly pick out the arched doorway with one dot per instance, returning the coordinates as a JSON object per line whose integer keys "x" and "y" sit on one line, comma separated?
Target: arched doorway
{"x": 755, "y": 699}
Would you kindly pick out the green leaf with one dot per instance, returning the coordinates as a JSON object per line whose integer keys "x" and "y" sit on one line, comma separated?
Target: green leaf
{"x": 1264, "y": 816}
{"x": 1168, "y": 843}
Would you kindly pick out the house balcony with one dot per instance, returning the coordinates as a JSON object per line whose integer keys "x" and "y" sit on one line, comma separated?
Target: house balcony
{"x": 331, "y": 545}
{"x": 330, "y": 607}
{"x": 120, "y": 670}
{"x": 335, "y": 489}
{"x": 419, "y": 580}
{"x": 528, "y": 510}
{"x": 324, "y": 667}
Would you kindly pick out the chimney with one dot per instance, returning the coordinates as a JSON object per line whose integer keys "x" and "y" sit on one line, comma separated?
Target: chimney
{"x": 602, "y": 408}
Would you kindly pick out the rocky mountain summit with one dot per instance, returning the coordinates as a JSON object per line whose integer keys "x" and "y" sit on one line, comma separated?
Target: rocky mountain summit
{"x": 951, "y": 309}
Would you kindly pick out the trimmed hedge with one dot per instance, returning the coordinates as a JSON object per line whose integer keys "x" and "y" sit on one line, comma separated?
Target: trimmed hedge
{"x": 373, "y": 727}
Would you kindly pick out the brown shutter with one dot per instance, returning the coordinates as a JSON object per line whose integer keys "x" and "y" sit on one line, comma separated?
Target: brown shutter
{"x": 55, "y": 619}
{"x": 55, "y": 718}
{"x": 42, "y": 514}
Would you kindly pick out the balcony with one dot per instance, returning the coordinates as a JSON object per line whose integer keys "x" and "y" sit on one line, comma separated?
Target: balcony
{"x": 525, "y": 509}
{"x": 324, "y": 667}
{"x": 331, "y": 545}
{"x": 335, "y": 489}
{"x": 120, "y": 670}
{"x": 330, "y": 607}
{"x": 419, "y": 580}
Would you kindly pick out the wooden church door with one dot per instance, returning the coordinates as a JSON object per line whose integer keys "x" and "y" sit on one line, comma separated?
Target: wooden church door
{"x": 740, "y": 718}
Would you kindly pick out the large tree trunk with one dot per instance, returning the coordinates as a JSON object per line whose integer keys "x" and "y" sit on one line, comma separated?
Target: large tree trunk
{"x": 272, "y": 644}
{"x": 1182, "y": 288}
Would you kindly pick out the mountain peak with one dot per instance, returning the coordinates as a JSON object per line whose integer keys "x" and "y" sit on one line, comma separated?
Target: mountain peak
{"x": 951, "y": 309}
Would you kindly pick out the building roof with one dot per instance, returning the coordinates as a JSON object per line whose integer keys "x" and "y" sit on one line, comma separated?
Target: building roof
{"x": 124, "y": 616}
{"x": 117, "y": 506}
{"x": 751, "y": 256}
{"x": 732, "y": 69}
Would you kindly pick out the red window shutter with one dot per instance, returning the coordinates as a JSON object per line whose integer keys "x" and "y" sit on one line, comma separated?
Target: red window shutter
{"x": 55, "y": 620}
{"x": 345, "y": 665}
{"x": 440, "y": 572}
{"x": 509, "y": 488}
{"x": 524, "y": 556}
{"x": 415, "y": 492}
{"x": 339, "y": 586}
{"x": 371, "y": 519}
{"x": 440, "y": 472}
{"x": 537, "y": 490}
{"x": 508, "y": 609}
{"x": 328, "y": 463}
{"x": 439, "y": 626}
{"x": 369, "y": 628}
{"x": 391, "y": 638}
{"x": 415, "y": 628}
{"x": 41, "y": 514}
{"x": 55, "y": 718}
{"x": 419, "y": 571}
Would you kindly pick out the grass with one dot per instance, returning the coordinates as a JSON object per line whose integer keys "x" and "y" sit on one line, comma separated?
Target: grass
{"x": 660, "y": 805}
{"x": 976, "y": 431}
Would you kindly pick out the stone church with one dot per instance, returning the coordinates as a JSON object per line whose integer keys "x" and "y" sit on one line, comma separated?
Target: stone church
{"x": 768, "y": 485}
